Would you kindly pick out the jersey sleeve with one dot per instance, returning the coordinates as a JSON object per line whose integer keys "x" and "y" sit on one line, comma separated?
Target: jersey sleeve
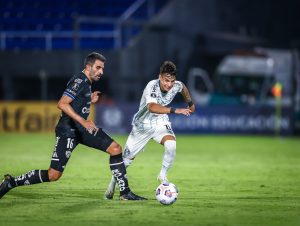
{"x": 180, "y": 86}
{"x": 150, "y": 93}
{"x": 73, "y": 89}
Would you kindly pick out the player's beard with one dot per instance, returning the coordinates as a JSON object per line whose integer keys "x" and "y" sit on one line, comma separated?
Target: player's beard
{"x": 97, "y": 77}
{"x": 94, "y": 76}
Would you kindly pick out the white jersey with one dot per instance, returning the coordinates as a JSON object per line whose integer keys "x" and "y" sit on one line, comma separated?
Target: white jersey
{"x": 153, "y": 94}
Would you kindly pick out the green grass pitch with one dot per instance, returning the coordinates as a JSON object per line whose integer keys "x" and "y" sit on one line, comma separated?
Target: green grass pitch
{"x": 222, "y": 180}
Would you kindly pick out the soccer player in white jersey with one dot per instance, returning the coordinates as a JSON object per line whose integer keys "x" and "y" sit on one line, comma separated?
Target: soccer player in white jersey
{"x": 152, "y": 121}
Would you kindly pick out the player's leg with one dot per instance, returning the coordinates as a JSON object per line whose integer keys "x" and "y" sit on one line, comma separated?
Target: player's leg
{"x": 169, "y": 143}
{"x": 118, "y": 170}
{"x": 166, "y": 137}
{"x": 135, "y": 143}
{"x": 100, "y": 140}
{"x": 117, "y": 167}
{"x": 32, "y": 177}
{"x": 110, "y": 191}
{"x": 61, "y": 154}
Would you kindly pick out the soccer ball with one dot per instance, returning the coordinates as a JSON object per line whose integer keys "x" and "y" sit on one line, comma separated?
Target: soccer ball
{"x": 166, "y": 193}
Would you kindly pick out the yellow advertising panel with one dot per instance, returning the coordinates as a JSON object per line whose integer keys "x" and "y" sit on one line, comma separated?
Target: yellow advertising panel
{"x": 30, "y": 116}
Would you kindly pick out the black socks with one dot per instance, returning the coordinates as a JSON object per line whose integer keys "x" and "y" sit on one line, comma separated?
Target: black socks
{"x": 32, "y": 177}
{"x": 116, "y": 165}
{"x": 119, "y": 172}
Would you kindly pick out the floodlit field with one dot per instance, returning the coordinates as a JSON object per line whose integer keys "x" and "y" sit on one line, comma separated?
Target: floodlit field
{"x": 222, "y": 180}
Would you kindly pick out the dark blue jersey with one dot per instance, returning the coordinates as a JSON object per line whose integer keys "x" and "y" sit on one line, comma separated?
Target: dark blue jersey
{"x": 79, "y": 89}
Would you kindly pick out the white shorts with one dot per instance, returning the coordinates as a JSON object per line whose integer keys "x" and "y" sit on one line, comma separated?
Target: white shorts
{"x": 141, "y": 134}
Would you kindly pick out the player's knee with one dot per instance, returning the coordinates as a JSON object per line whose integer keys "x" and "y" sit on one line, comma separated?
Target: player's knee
{"x": 114, "y": 149}
{"x": 54, "y": 175}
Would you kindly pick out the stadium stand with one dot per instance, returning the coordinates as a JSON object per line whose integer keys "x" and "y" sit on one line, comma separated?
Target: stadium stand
{"x": 55, "y": 24}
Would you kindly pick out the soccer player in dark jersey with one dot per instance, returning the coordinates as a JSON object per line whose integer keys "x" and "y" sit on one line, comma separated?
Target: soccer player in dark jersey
{"x": 74, "y": 128}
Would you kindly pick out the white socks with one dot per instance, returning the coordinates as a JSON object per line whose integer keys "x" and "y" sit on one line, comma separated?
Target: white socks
{"x": 127, "y": 162}
{"x": 168, "y": 158}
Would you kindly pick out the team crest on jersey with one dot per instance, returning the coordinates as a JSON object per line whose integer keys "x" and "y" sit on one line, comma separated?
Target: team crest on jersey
{"x": 68, "y": 154}
{"x": 126, "y": 152}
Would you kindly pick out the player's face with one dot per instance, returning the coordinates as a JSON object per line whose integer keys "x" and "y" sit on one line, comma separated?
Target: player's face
{"x": 166, "y": 82}
{"x": 96, "y": 70}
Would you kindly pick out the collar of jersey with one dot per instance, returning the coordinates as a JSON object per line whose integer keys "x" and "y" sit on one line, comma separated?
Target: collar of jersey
{"x": 85, "y": 78}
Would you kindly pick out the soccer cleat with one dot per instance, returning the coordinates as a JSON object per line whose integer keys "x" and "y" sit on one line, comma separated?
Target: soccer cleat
{"x": 162, "y": 179}
{"x": 131, "y": 196}
{"x": 109, "y": 194}
{"x": 6, "y": 185}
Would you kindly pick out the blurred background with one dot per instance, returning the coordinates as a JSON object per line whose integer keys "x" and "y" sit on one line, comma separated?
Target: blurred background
{"x": 239, "y": 59}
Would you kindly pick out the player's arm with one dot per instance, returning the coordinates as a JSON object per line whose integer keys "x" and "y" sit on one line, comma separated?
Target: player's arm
{"x": 159, "y": 109}
{"x": 187, "y": 98}
{"x": 64, "y": 105}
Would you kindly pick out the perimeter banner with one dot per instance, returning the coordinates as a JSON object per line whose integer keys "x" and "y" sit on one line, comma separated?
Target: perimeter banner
{"x": 116, "y": 118}
{"x": 28, "y": 116}
{"x": 235, "y": 120}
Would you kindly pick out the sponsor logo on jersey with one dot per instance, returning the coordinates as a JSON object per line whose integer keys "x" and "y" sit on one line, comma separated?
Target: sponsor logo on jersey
{"x": 71, "y": 92}
{"x": 78, "y": 80}
{"x": 154, "y": 88}
{"x": 75, "y": 86}
{"x": 85, "y": 110}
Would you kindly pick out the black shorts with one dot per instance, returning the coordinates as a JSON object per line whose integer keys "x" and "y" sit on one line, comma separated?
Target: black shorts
{"x": 64, "y": 146}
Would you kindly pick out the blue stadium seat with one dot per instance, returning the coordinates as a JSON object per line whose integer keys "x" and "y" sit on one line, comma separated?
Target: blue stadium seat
{"x": 58, "y": 16}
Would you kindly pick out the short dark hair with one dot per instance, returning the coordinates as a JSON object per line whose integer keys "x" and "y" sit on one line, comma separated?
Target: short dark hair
{"x": 168, "y": 67}
{"x": 92, "y": 57}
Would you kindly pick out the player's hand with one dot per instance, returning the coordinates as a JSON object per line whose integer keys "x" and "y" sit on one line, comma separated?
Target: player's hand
{"x": 183, "y": 111}
{"x": 192, "y": 108}
{"x": 95, "y": 96}
{"x": 90, "y": 126}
